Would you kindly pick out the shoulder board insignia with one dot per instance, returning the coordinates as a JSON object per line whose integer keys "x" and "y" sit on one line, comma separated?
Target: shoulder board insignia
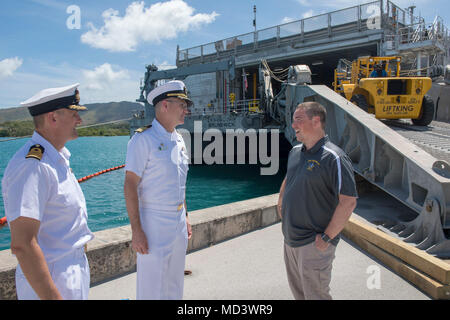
{"x": 36, "y": 152}
{"x": 142, "y": 129}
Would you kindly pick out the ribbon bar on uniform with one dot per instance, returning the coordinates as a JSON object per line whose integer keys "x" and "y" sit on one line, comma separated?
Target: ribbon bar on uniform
{"x": 158, "y": 206}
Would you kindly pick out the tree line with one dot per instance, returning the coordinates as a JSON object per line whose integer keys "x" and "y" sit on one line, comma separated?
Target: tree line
{"x": 26, "y": 128}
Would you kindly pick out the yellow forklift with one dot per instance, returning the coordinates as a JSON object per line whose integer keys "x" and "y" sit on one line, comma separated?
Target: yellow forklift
{"x": 374, "y": 84}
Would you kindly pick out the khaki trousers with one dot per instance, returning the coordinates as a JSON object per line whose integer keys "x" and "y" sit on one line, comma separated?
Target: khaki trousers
{"x": 309, "y": 271}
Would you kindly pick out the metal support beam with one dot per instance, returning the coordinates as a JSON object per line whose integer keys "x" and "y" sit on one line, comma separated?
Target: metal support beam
{"x": 183, "y": 72}
{"x": 419, "y": 63}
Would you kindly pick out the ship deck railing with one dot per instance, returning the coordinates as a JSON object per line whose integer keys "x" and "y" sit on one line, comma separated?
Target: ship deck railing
{"x": 420, "y": 32}
{"x": 379, "y": 14}
{"x": 246, "y": 106}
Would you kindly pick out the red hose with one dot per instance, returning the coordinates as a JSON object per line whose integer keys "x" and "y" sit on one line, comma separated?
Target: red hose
{"x": 99, "y": 173}
{"x": 3, "y": 220}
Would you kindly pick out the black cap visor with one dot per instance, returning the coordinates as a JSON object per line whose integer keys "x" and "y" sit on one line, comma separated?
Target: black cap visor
{"x": 173, "y": 94}
{"x": 70, "y": 102}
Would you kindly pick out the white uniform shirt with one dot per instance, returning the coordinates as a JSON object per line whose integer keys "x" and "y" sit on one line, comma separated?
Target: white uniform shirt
{"x": 47, "y": 191}
{"x": 160, "y": 159}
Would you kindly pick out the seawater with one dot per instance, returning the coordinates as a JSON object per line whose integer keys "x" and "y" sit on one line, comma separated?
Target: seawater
{"x": 207, "y": 185}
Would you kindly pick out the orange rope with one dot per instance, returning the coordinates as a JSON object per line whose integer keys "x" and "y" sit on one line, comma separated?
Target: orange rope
{"x": 99, "y": 173}
{"x": 3, "y": 220}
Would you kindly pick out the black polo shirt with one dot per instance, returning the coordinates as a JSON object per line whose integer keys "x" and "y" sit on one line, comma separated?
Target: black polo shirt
{"x": 314, "y": 180}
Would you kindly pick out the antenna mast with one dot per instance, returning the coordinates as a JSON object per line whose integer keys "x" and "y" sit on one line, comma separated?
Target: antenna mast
{"x": 254, "y": 17}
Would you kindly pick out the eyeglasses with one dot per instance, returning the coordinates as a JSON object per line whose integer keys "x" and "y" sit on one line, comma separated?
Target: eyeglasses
{"x": 180, "y": 103}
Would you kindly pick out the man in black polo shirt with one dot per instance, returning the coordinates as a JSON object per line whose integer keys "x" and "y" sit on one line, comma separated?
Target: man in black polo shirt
{"x": 316, "y": 199}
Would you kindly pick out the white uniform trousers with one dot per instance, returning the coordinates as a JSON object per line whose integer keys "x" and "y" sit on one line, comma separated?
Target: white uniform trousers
{"x": 70, "y": 274}
{"x": 160, "y": 273}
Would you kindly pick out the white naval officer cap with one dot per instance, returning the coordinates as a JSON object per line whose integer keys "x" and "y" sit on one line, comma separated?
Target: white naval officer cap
{"x": 174, "y": 88}
{"x": 52, "y": 99}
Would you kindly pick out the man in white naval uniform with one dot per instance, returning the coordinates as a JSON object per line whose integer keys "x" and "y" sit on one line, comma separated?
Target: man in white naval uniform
{"x": 44, "y": 204}
{"x": 155, "y": 186}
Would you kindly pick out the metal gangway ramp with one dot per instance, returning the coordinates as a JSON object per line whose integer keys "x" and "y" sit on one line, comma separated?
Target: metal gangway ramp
{"x": 388, "y": 160}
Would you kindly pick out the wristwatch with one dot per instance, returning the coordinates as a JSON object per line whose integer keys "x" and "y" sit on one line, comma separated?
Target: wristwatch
{"x": 325, "y": 238}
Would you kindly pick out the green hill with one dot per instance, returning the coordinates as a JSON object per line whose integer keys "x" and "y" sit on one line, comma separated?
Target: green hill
{"x": 97, "y": 112}
{"x": 14, "y": 114}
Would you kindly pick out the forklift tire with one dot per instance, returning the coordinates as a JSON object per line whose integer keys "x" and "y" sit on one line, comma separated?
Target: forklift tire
{"x": 360, "y": 101}
{"x": 427, "y": 112}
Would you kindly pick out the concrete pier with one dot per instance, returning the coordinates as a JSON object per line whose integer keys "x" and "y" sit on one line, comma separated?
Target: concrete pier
{"x": 251, "y": 267}
{"x": 110, "y": 254}
{"x": 236, "y": 253}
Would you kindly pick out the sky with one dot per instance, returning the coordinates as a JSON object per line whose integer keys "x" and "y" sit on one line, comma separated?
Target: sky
{"x": 105, "y": 44}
